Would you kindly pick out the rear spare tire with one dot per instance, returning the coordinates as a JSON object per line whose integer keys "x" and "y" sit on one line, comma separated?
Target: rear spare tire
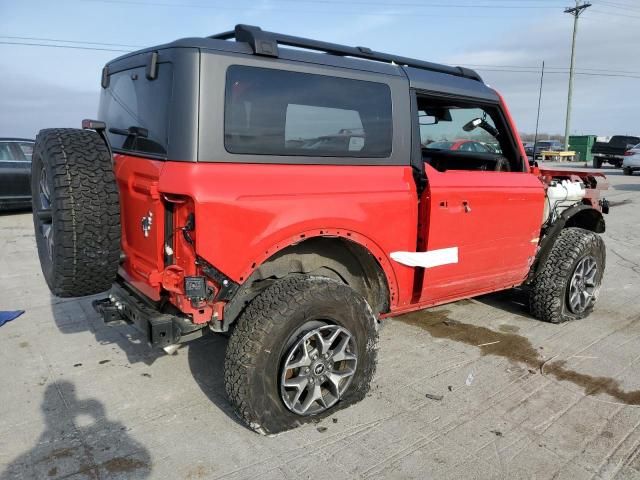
{"x": 304, "y": 348}
{"x": 76, "y": 212}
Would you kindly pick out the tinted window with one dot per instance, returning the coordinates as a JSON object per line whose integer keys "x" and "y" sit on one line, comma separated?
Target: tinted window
{"x": 5, "y": 152}
{"x": 276, "y": 112}
{"x": 133, "y": 101}
{"x": 27, "y": 150}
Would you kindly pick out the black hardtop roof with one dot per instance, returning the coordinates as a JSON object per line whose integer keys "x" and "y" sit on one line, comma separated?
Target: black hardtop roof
{"x": 253, "y": 40}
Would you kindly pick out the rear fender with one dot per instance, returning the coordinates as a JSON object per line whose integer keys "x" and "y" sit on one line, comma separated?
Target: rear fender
{"x": 355, "y": 237}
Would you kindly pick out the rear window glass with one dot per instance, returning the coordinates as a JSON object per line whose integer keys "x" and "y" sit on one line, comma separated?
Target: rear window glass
{"x": 131, "y": 100}
{"x": 276, "y": 112}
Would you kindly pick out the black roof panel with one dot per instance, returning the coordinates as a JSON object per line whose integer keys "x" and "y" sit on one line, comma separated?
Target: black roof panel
{"x": 437, "y": 82}
{"x": 313, "y": 51}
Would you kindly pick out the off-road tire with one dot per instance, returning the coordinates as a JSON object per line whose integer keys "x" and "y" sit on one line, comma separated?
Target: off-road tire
{"x": 259, "y": 342}
{"x": 84, "y": 211}
{"x": 597, "y": 162}
{"x": 548, "y": 297}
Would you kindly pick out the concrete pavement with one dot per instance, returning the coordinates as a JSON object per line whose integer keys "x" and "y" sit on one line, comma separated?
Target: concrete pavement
{"x": 520, "y": 398}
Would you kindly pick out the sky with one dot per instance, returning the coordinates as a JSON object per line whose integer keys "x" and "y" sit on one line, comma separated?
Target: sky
{"x": 506, "y": 41}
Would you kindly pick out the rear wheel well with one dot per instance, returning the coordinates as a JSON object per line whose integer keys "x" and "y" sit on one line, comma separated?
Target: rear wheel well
{"x": 337, "y": 258}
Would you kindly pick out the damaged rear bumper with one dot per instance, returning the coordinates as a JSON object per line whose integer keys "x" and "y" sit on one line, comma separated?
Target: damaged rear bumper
{"x": 160, "y": 329}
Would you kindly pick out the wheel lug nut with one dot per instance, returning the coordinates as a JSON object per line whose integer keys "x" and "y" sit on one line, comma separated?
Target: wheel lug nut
{"x": 306, "y": 370}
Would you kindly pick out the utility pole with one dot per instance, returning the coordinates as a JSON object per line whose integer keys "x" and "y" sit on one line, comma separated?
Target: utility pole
{"x": 575, "y": 11}
{"x": 535, "y": 137}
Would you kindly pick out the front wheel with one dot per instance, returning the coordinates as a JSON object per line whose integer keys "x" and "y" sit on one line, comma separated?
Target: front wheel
{"x": 566, "y": 287}
{"x": 302, "y": 349}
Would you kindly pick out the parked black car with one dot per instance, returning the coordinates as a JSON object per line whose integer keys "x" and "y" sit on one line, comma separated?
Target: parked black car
{"x": 15, "y": 173}
{"x": 612, "y": 152}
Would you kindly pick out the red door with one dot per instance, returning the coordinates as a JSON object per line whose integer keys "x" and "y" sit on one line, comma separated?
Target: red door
{"x": 480, "y": 231}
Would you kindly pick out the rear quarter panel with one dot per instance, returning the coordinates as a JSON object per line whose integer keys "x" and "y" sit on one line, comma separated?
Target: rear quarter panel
{"x": 247, "y": 212}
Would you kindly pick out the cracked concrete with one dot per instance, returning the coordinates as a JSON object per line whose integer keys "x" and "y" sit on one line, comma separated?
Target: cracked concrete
{"x": 82, "y": 400}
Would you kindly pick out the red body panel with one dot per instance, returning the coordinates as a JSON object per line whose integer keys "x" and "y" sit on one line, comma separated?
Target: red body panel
{"x": 244, "y": 213}
{"x": 247, "y": 212}
{"x": 138, "y": 181}
{"x": 493, "y": 218}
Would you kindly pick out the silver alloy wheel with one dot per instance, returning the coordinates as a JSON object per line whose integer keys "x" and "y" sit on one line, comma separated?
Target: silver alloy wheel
{"x": 318, "y": 369}
{"x": 43, "y": 213}
{"x": 583, "y": 288}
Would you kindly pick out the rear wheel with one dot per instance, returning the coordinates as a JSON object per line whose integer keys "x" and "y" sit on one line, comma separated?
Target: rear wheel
{"x": 566, "y": 288}
{"x": 302, "y": 349}
{"x": 627, "y": 171}
{"x": 597, "y": 162}
{"x": 76, "y": 212}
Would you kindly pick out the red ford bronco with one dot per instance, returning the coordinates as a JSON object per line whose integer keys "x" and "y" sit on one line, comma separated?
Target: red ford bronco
{"x": 297, "y": 196}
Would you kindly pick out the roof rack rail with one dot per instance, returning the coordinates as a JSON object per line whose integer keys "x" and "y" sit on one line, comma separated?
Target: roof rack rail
{"x": 266, "y": 43}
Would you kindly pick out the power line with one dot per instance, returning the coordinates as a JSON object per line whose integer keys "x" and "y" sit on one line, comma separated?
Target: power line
{"x": 74, "y": 47}
{"x": 619, "y": 6}
{"x": 59, "y": 40}
{"x": 527, "y": 68}
{"x": 483, "y": 67}
{"x": 613, "y": 14}
{"x": 334, "y": 2}
{"x": 557, "y": 73}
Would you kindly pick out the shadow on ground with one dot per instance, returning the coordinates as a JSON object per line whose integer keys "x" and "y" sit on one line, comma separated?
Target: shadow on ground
{"x": 515, "y": 301}
{"x": 206, "y": 361}
{"x": 79, "y": 440}
{"x": 205, "y": 355}
{"x": 14, "y": 211}
{"x": 77, "y": 315}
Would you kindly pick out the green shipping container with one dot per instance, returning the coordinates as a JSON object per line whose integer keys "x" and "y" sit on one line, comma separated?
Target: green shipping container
{"x": 581, "y": 144}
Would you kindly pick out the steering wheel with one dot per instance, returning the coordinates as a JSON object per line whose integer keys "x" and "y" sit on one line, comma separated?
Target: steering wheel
{"x": 502, "y": 165}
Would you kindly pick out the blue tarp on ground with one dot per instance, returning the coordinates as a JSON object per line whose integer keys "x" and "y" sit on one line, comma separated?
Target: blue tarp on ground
{"x": 8, "y": 316}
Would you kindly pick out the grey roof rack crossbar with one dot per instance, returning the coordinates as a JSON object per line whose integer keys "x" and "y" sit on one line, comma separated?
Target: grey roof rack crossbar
{"x": 266, "y": 43}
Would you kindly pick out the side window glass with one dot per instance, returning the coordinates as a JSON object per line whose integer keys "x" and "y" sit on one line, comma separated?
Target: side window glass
{"x": 5, "y": 152}
{"x": 27, "y": 150}
{"x": 460, "y": 136}
{"x": 279, "y": 112}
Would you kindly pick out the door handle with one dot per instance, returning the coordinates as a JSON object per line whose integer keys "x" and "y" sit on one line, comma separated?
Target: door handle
{"x": 467, "y": 207}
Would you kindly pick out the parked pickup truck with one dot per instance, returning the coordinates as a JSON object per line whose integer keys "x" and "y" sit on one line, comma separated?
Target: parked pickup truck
{"x": 612, "y": 152}
{"x": 293, "y": 199}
